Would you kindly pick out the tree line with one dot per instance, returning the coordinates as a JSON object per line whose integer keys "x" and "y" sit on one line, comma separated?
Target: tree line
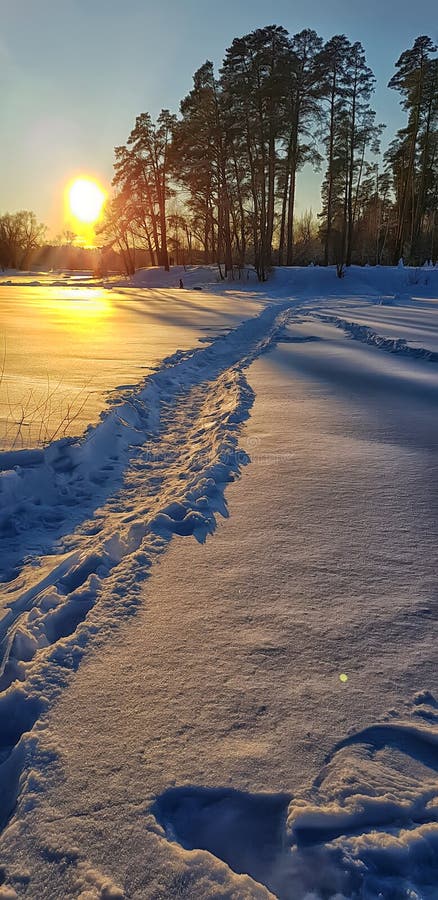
{"x": 218, "y": 182}
{"x": 23, "y": 245}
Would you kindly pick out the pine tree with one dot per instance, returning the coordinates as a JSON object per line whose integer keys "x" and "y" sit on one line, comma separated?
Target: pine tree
{"x": 412, "y": 155}
{"x": 200, "y": 161}
{"x": 351, "y": 133}
{"x": 333, "y": 62}
{"x": 302, "y": 109}
{"x": 254, "y": 83}
{"x": 142, "y": 171}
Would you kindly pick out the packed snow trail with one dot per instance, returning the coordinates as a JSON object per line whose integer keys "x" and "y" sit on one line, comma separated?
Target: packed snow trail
{"x": 48, "y": 491}
{"x": 177, "y": 442}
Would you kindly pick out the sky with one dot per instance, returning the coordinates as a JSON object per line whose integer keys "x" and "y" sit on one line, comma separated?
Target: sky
{"x": 75, "y": 73}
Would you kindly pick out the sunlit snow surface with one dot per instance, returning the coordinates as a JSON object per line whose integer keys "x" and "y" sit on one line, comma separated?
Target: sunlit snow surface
{"x": 67, "y": 345}
{"x": 207, "y": 746}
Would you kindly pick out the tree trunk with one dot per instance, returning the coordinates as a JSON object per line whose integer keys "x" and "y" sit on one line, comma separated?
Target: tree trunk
{"x": 330, "y": 171}
{"x": 349, "y": 228}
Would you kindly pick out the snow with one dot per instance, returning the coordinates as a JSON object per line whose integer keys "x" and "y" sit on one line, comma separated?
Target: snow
{"x": 69, "y": 350}
{"x": 173, "y": 722}
{"x": 191, "y": 277}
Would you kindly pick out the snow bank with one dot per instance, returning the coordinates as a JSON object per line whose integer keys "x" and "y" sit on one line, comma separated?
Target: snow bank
{"x": 374, "y": 280}
{"x": 395, "y": 281}
{"x": 375, "y": 284}
{"x": 368, "y": 336}
{"x": 191, "y": 276}
{"x": 384, "y": 281}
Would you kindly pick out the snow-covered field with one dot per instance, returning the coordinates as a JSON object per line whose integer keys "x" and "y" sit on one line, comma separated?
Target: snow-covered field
{"x": 252, "y": 713}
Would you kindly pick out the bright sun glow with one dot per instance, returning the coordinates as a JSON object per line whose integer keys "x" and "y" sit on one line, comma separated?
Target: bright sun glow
{"x": 86, "y": 199}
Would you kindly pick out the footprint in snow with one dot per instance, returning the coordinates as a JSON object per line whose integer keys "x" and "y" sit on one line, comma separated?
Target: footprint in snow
{"x": 367, "y": 827}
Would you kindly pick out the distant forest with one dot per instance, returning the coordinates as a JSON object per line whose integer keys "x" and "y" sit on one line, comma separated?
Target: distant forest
{"x": 217, "y": 184}
{"x": 23, "y": 246}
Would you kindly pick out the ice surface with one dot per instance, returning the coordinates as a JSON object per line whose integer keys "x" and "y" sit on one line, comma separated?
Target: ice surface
{"x": 67, "y": 349}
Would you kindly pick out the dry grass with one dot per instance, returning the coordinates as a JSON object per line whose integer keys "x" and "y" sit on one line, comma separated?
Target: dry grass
{"x": 38, "y": 417}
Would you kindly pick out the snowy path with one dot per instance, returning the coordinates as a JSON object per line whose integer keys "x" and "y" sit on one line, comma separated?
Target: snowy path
{"x": 225, "y": 682}
{"x": 182, "y": 433}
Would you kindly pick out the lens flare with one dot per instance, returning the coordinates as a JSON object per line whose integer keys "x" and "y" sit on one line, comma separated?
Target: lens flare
{"x": 86, "y": 199}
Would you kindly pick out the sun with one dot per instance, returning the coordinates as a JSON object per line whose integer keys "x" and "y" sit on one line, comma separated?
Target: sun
{"x": 86, "y": 199}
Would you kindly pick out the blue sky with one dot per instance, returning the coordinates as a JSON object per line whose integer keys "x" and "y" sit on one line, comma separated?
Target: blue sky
{"x": 75, "y": 73}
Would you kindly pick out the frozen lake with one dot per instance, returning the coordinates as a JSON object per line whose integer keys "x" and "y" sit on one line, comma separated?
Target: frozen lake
{"x": 66, "y": 348}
